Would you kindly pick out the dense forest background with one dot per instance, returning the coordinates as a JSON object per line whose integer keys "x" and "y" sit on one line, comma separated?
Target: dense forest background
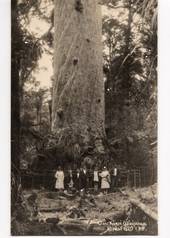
{"x": 130, "y": 75}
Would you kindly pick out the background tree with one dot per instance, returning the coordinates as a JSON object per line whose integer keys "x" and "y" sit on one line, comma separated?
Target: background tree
{"x": 130, "y": 57}
{"x": 24, "y": 56}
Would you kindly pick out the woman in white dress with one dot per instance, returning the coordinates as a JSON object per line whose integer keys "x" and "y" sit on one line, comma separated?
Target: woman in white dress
{"x": 105, "y": 180}
{"x": 59, "y": 175}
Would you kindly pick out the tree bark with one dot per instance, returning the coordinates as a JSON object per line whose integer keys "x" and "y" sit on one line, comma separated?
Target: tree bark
{"x": 15, "y": 109}
{"x": 78, "y": 90}
{"x": 15, "y": 102}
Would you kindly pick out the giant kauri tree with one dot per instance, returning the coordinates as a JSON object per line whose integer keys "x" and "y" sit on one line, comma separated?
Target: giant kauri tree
{"x": 78, "y": 89}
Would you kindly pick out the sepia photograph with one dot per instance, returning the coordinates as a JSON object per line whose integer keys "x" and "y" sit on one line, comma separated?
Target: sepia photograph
{"x": 84, "y": 118}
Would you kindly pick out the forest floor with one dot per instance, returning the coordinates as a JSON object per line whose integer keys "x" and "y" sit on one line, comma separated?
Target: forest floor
{"x": 88, "y": 214}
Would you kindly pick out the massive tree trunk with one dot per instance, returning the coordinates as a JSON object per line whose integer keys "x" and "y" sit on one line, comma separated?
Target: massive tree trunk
{"x": 78, "y": 90}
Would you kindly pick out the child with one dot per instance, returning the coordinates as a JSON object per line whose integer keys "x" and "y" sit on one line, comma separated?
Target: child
{"x": 96, "y": 179}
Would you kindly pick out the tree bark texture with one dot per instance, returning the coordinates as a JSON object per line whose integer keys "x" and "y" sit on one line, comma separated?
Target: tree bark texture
{"x": 15, "y": 109}
{"x": 78, "y": 90}
{"x": 15, "y": 102}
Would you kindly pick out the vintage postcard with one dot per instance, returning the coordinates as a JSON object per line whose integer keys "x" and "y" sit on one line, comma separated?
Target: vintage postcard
{"x": 83, "y": 117}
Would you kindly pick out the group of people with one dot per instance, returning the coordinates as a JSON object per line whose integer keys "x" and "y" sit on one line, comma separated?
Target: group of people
{"x": 85, "y": 179}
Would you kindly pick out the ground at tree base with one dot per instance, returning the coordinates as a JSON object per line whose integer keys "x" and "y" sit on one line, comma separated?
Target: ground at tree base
{"x": 61, "y": 214}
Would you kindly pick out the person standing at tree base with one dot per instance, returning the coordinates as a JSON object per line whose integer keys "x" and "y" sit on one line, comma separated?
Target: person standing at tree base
{"x": 114, "y": 175}
{"x": 68, "y": 180}
{"x": 96, "y": 179}
{"x": 59, "y": 175}
{"x": 105, "y": 180}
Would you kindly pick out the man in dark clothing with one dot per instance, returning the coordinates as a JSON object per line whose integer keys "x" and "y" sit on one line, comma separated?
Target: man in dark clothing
{"x": 76, "y": 179}
{"x": 68, "y": 179}
{"x": 83, "y": 178}
{"x": 89, "y": 176}
{"x": 80, "y": 179}
{"x": 114, "y": 177}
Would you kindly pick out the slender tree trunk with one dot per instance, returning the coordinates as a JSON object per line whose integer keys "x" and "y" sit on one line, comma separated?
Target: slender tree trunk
{"x": 127, "y": 79}
{"x": 78, "y": 90}
{"x": 129, "y": 31}
{"x": 15, "y": 102}
{"x": 15, "y": 107}
{"x": 50, "y": 112}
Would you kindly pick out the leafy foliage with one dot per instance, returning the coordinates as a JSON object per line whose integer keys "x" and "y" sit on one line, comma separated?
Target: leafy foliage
{"x": 130, "y": 71}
